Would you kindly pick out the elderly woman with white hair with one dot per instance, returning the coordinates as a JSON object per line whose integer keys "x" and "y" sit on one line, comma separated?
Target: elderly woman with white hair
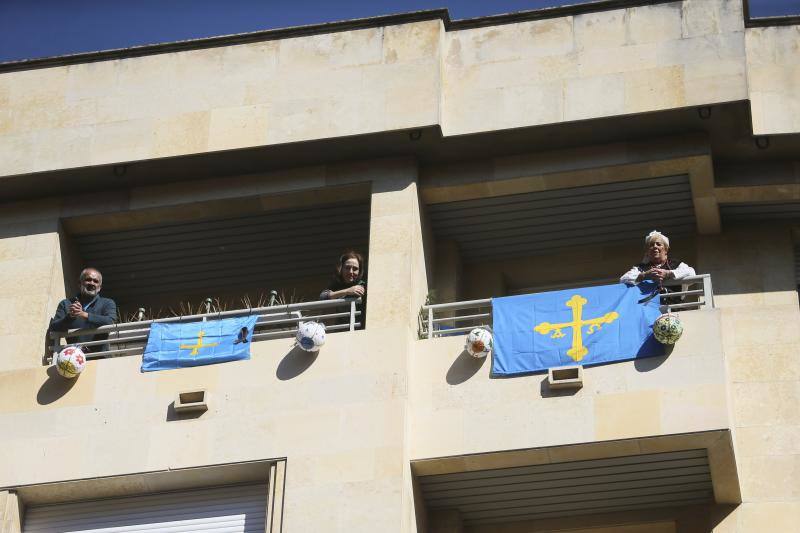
{"x": 655, "y": 265}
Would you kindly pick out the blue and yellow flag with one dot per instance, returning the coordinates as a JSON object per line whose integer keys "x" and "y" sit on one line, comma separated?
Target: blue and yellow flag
{"x": 178, "y": 345}
{"x": 587, "y": 326}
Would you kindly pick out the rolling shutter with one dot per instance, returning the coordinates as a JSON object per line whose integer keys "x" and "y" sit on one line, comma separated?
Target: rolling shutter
{"x": 541, "y": 222}
{"x": 232, "y": 509}
{"x": 269, "y": 249}
{"x": 586, "y": 487}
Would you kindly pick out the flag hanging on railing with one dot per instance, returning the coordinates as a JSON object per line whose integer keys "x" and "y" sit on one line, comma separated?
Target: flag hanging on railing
{"x": 179, "y": 345}
{"x": 588, "y": 326}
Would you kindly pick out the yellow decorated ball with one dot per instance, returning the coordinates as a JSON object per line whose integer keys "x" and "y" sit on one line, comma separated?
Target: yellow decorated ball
{"x": 667, "y": 329}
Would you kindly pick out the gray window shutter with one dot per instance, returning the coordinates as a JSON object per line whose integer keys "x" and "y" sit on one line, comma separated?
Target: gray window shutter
{"x": 231, "y": 509}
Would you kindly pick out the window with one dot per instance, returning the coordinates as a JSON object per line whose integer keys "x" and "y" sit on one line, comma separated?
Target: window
{"x": 237, "y": 509}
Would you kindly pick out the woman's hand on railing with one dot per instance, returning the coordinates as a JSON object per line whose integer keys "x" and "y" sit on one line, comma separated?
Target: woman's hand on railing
{"x": 657, "y": 274}
{"x": 356, "y": 291}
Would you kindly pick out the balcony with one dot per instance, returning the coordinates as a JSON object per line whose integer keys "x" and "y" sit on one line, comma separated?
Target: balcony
{"x": 455, "y": 318}
{"x": 274, "y": 322}
{"x": 635, "y": 424}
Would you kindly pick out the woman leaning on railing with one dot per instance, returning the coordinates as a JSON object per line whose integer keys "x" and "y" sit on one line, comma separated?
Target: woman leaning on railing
{"x": 348, "y": 279}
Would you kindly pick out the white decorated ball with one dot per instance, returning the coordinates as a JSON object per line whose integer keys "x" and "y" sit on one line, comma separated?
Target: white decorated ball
{"x": 311, "y": 336}
{"x": 667, "y": 329}
{"x": 70, "y": 361}
{"x": 479, "y": 342}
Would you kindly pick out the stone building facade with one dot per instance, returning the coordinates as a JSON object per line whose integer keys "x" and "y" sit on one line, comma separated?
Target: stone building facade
{"x": 449, "y": 137}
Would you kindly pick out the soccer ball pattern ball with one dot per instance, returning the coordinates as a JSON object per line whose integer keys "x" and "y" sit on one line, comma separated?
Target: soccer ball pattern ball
{"x": 70, "y": 361}
{"x": 311, "y": 336}
{"x": 667, "y": 329}
{"x": 479, "y": 342}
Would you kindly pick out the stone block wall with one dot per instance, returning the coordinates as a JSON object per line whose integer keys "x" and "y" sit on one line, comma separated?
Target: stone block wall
{"x": 10, "y": 512}
{"x": 593, "y": 65}
{"x": 339, "y": 418}
{"x": 752, "y": 270}
{"x": 773, "y": 78}
{"x": 271, "y": 92}
{"x": 458, "y": 410}
{"x": 31, "y": 280}
{"x": 609, "y": 63}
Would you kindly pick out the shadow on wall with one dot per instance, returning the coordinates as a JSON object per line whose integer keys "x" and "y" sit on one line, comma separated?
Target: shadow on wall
{"x": 55, "y": 387}
{"x": 646, "y": 364}
{"x": 295, "y": 363}
{"x": 749, "y": 258}
{"x": 702, "y": 517}
{"x": 464, "y": 367}
{"x": 9, "y": 228}
{"x": 172, "y": 414}
{"x": 547, "y": 392}
{"x": 71, "y": 262}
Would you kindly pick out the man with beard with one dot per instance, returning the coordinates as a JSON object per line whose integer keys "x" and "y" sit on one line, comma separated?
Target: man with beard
{"x": 86, "y": 310}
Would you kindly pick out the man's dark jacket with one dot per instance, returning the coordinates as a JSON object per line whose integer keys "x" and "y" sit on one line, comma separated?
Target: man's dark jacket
{"x": 101, "y": 311}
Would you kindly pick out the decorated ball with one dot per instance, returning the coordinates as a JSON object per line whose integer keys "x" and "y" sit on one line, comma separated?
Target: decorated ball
{"x": 667, "y": 329}
{"x": 479, "y": 342}
{"x": 70, "y": 361}
{"x": 311, "y": 336}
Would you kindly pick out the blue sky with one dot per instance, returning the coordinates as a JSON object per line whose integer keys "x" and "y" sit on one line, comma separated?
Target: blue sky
{"x": 41, "y": 28}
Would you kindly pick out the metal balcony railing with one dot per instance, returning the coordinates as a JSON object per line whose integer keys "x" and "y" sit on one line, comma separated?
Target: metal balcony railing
{"x": 442, "y": 320}
{"x": 274, "y": 322}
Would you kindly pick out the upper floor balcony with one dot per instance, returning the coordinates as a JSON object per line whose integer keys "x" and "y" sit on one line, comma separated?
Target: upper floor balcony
{"x": 421, "y": 399}
{"x": 274, "y": 321}
{"x": 454, "y": 318}
{"x": 644, "y": 433}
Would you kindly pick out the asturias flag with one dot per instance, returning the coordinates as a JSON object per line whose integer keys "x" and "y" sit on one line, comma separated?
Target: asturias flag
{"x": 178, "y": 345}
{"x": 588, "y": 326}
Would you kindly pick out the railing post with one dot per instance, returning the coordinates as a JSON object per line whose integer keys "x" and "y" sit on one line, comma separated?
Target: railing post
{"x": 708, "y": 293}
{"x": 430, "y": 322}
{"x": 352, "y": 315}
{"x": 56, "y": 344}
{"x": 208, "y": 309}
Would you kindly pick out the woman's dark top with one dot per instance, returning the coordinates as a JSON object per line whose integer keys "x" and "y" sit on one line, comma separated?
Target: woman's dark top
{"x": 669, "y": 264}
{"x": 337, "y": 285}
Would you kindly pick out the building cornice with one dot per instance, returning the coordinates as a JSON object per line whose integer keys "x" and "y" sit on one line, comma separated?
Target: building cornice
{"x": 328, "y": 27}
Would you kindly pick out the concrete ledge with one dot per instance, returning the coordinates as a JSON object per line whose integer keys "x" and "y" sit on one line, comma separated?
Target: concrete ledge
{"x": 146, "y": 482}
{"x": 758, "y": 193}
{"x": 718, "y": 443}
{"x": 327, "y": 27}
{"x": 11, "y": 512}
